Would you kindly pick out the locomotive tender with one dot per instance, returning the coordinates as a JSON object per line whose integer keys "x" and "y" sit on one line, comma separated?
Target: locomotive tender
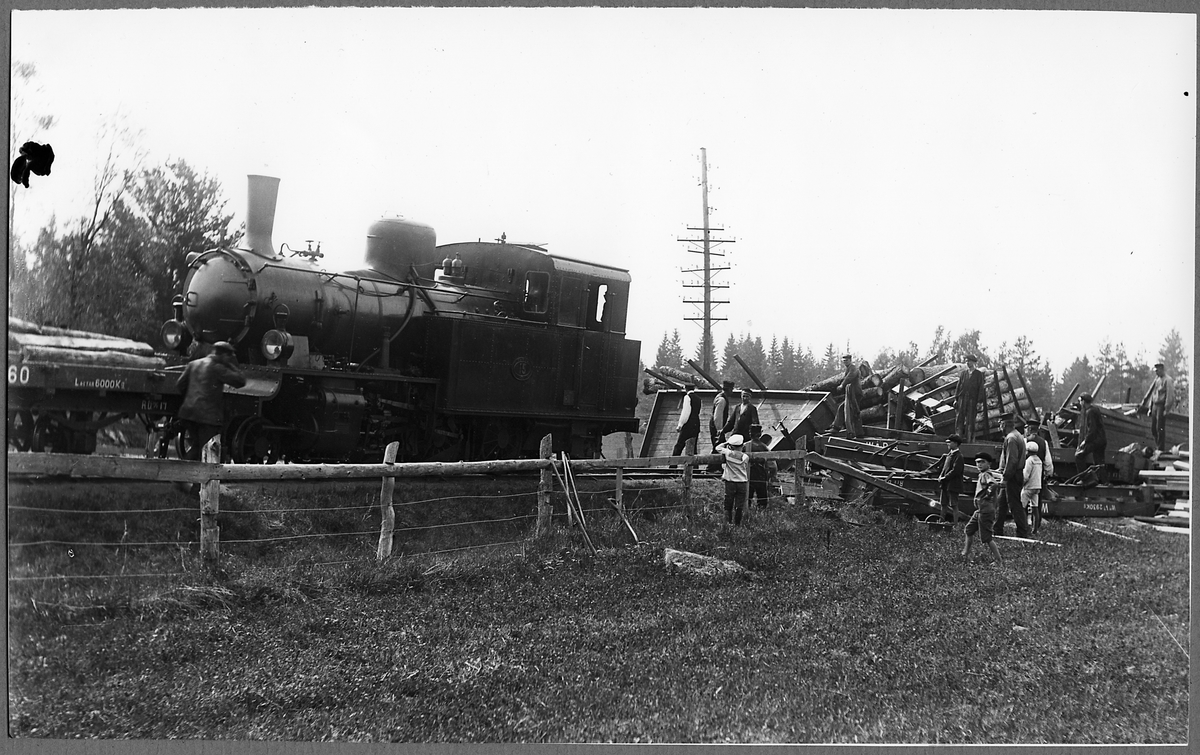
{"x": 459, "y": 351}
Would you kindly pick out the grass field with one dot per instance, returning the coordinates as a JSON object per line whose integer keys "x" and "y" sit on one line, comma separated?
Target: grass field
{"x": 843, "y": 633}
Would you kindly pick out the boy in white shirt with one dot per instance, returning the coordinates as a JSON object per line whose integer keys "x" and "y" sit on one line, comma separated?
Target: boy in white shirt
{"x": 1031, "y": 490}
{"x": 736, "y": 475}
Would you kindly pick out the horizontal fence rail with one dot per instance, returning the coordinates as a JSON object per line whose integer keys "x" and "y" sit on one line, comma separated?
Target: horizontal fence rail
{"x": 174, "y": 470}
{"x": 209, "y": 474}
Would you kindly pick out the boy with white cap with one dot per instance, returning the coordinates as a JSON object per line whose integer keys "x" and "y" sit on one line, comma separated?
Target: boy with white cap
{"x": 1032, "y": 488}
{"x": 736, "y": 475}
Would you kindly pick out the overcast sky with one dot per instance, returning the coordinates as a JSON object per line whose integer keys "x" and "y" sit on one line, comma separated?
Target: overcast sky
{"x": 882, "y": 172}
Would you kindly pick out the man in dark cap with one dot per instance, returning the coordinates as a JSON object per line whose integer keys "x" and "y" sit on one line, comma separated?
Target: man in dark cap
{"x": 966, "y": 399}
{"x": 1159, "y": 399}
{"x": 743, "y": 417}
{"x": 950, "y": 478}
{"x": 720, "y": 414}
{"x": 1012, "y": 467}
{"x": 1093, "y": 442}
{"x": 762, "y": 471}
{"x": 983, "y": 520}
{"x": 1033, "y": 434}
{"x": 202, "y": 384}
{"x": 852, "y": 385}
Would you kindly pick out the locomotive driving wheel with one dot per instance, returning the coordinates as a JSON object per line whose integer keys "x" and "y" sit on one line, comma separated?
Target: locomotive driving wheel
{"x": 46, "y": 436}
{"x": 253, "y": 443}
{"x": 497, "y": 439}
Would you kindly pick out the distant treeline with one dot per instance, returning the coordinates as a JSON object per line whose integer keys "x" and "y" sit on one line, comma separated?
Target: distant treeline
{"x": 788, "y": 365}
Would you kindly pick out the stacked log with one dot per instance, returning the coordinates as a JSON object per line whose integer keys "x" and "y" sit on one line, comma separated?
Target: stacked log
{"x": 682, "y": 376}
{"x": 17, "y": 325}
{"x": 1005, "y": 392}
{"x": 651, "y": 387}
{"x": 30, "y": 342}
{"x": 894, "y": 377}
{"x": 831, "y": 384}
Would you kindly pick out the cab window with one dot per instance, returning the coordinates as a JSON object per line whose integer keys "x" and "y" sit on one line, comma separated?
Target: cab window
{"x": 537, "y": 287}
{"x": 597, "y": 308}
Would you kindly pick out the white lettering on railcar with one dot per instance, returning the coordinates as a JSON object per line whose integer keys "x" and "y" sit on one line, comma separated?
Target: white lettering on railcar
{"x": 103, "y": 383}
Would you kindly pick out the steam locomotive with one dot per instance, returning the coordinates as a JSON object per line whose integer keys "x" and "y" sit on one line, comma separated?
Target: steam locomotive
{"x": 459, "y": 351}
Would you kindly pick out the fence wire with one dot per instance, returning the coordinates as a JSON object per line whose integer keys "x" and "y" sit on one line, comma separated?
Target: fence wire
{"x": 365, "y": 559}
{"x": 634, "y": 491}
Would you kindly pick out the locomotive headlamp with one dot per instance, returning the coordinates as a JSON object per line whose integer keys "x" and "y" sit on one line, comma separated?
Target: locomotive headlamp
{"x": 277, "y": 345}
{"x": 175, "y": 335}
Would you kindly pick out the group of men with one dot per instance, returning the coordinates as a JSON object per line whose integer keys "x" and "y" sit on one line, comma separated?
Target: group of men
{"x": 734, "y": 431}
{"x": 1010, "y": 488}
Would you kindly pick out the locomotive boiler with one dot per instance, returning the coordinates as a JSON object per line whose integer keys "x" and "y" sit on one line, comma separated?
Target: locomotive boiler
{"x": 458, "y": 351}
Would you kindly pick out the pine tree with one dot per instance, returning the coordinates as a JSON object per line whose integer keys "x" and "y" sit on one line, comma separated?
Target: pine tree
{"x": 833, "y": 361}
{"x": 774, "y": 364}
{"x": 788, "y": 378}
{"x": 1080, "y": 372}
{"x": 1175, "y": 363}
{"x": 1112, "y": 361}
{"x": 939, "y": 348}
{"x": 755, "y": 357}
{"x": 807, "y": 371}
{"x": 729, "y": 366}
{"x": 664, "y": 350}
{"x": 670, "y": 352}
{"x": 1038, "y": 375}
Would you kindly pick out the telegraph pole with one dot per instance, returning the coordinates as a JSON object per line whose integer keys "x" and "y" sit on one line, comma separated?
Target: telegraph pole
{"x": 706, "y": 248}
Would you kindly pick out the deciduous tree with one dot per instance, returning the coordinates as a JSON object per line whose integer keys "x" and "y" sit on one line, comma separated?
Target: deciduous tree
{"x": 175, "y": 211}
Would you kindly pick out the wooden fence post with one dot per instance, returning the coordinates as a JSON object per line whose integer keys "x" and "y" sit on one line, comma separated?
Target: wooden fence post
{"x": 388, "y": 523}
{"x": 689, "y": 448}
{"x": 799, "y": 467}
{"x": 567, "y": 490}
{"x": 545, "y": 486}
{"x": 210, "y": 506}
{"x": 618, "y": 501}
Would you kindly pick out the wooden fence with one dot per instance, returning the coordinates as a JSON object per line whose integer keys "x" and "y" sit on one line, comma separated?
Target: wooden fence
{"x": 209, "y": 473}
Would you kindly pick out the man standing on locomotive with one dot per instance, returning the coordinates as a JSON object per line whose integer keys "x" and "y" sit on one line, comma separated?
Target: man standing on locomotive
{"x": 202, "y": 384}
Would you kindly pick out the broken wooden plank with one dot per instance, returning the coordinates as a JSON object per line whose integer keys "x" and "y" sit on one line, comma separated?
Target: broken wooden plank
{"x": 911, "y": 392}
{"x": 700, "y": 371}
{"x": 846, "y": 469}
{"x": 754, "y": 378}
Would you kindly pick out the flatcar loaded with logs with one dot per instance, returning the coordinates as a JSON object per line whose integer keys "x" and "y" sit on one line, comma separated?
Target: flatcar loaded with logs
{"x": 460, "y": 351}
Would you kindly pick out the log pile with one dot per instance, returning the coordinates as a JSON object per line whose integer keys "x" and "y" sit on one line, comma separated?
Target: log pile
{"x": 929, "y": 392}
{"x": 29, "y": 342}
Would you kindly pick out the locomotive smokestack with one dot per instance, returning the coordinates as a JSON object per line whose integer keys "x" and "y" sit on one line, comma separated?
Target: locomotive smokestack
{"x": 260, "y": 213}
